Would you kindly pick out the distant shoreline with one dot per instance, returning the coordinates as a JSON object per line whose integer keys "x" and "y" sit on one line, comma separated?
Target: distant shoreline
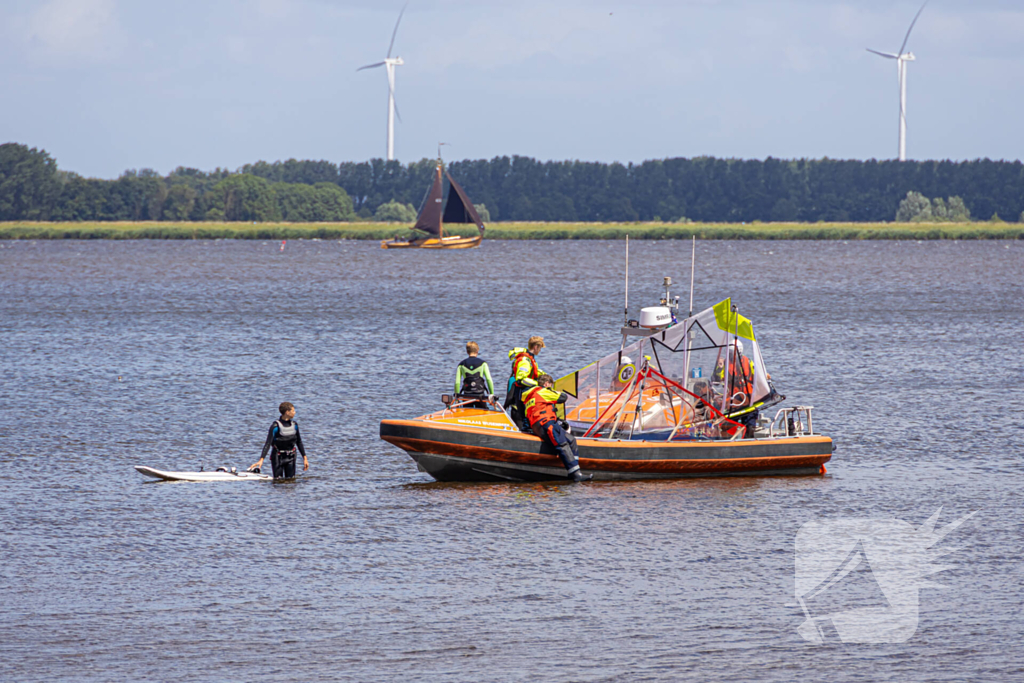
{"x": 517, "y": 231}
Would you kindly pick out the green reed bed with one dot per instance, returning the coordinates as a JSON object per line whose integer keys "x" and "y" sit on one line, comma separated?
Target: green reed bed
{"x": 757, "y": 231}
{"x": 204, "y": 231}
{"x": 518, "y": 231}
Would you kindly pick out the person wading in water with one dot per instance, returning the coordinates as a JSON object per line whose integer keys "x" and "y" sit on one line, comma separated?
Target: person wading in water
{"x": 282, "y": 441}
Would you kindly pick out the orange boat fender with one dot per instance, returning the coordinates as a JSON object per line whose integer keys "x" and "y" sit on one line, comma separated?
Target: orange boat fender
{"x": 823, "y": 470}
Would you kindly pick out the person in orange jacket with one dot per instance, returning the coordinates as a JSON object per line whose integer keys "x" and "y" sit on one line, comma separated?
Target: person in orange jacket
{"x": 740, "y": 389}
{"x": 741, "y": 376}
{"x": 540, "y": 402}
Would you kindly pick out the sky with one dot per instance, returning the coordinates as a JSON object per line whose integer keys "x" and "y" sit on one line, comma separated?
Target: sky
{"x": 110, "y": 85}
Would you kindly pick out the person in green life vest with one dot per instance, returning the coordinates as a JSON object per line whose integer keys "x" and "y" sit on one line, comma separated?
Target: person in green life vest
{"x": 473, "y": 377}
{"x": 525, "y": 372}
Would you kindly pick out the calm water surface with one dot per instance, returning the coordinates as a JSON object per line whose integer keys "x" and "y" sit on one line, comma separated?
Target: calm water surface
{"x": 176, "y": 354}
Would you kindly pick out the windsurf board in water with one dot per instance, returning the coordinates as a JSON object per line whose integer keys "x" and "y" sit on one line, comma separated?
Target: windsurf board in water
{"x": 202, "y": 476}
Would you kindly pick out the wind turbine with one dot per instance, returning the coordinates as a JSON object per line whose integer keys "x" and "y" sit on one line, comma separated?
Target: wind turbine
{"x": 389, "y": 64}
{"x": 902, "y": 58}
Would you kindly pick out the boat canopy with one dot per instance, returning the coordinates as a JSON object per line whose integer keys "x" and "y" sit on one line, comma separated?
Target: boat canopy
{"x": 458, "y": 209}
{"x": 679, "y": 382}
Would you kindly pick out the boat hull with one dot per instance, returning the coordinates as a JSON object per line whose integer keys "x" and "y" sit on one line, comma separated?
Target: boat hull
{"x": 452, "y": 242}
{"x": 456, "y": 453}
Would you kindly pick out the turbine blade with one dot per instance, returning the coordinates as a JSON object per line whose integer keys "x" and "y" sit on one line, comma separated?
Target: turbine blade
{"x": 902, "y": 47}
{"x": 882, "y": 54}
{"x": 395, "y": 32}
{"x": 370, "y": 66}
{"x": 394, "y": 101}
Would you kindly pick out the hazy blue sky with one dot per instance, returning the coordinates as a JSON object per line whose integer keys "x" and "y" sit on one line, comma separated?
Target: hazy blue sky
{"x": 106, "y": 85}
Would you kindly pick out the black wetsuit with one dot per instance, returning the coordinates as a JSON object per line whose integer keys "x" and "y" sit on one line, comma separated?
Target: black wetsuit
{"x": 282, "y": 441}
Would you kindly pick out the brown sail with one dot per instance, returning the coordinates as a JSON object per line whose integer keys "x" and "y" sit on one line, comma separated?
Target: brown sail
{"x": 459, "y": 209}
{"x": 435, "y": 212}
{"x": 429, "y": 218}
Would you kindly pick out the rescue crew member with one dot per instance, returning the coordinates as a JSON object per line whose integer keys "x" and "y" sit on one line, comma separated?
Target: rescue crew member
{"x": 741, "y": 376}
{"x": 472, "y": 376}
{"x": 540, "y": 402}
{"x": 524, "y": 377}
{"x": 740, "y": 389}
{"x": 282, "y": 441}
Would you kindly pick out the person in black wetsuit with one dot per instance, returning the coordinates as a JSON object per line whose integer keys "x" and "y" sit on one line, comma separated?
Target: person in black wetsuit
{"x": 283, "y": 440}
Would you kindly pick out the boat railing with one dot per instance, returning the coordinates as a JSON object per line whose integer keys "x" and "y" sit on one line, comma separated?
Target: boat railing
{"x": 452, "y": 405}
{"x": 795, "y": 421}
{"x": 453, "y": 402}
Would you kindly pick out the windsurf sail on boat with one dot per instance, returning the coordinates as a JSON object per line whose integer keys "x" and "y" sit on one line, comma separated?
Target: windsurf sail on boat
{"x": 435, "y": 213}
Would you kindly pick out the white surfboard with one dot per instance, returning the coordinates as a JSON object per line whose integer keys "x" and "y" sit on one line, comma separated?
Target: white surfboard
{"x": 201, "y": 476}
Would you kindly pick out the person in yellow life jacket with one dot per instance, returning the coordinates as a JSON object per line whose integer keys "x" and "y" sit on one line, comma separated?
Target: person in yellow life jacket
{"x": 525, "y": 372}
{"x": 541, "y": 412}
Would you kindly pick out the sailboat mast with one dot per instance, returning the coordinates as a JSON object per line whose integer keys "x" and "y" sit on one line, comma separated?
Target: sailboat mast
{"x": 440, "y": 175}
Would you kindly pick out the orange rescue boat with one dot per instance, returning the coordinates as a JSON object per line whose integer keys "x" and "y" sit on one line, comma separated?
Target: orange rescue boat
{"x": 678, "y": 399}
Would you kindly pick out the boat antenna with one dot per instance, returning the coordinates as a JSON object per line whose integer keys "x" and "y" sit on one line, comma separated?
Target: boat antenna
{"x": 693, "y": 261}
{"x": 667, "y": 299}
{"x": 439, "y": 148}
{"x": 626, "y": 310}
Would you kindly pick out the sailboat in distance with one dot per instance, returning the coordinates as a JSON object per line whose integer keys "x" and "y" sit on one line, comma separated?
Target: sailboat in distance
{"x": 434, "y": 214}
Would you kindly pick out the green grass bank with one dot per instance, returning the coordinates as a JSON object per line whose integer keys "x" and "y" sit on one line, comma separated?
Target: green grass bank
{"x": 518, "y": 231}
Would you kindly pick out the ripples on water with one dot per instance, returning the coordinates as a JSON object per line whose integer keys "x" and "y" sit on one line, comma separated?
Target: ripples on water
{"x": 363, "y": 569}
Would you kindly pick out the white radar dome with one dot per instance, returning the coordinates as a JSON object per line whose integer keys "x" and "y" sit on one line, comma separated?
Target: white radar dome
{"x": 655, "y": 316}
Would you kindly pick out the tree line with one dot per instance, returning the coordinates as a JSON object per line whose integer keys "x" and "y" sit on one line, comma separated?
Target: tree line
{"x": 32, "y": 188}
{"x": 517, "y": 188}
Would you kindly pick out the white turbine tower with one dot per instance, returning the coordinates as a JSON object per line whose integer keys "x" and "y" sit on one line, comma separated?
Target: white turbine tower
{"x": 902, "y": 58}
{"x": 389, "y": 64}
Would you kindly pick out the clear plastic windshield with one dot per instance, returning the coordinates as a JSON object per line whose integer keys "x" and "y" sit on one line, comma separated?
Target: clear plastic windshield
{"x": 680, "y": 383}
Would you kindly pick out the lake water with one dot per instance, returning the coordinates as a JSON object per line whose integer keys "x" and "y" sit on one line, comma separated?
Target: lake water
{"x": 176, "y": 354}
